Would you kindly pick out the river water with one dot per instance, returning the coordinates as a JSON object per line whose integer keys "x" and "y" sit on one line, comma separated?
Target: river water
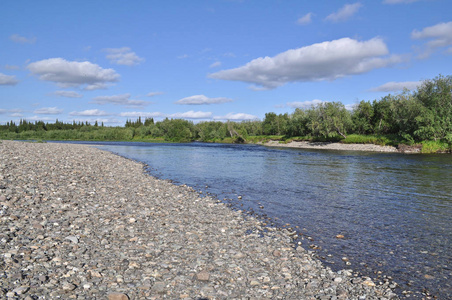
{"x": 394, "y": 210}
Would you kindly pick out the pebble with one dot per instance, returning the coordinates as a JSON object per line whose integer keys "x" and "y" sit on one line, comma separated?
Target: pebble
{"x": 77, "y": 222}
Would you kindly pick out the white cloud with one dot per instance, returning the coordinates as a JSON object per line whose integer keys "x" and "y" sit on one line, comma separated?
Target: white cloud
{"x": 22, "y": 40}
{"x": 183, "y": 56}
{"x": 215, "y": 64}
{"x": 12, "y": 67}
{"x": 99, "y": 120}
{"x": 236, "y": 117}
{"x": 17, "y": 115}
{"x": 68, "y": 94}
{"x": 439, "y": 35}
{"x": 136, "y": 114}
{"x": 191, "y": 115}
{"x": 185, "y": 115}
{"x": 153, "y": 94}
{"x": 201, "y": 99}
{"x": 323, "y": 61}
{"x": 72, "y": 73}
{"x": 399, "y": 1}
{"x": 123, "y": 56}
{"x": 89, "y": 112}
{"x": 397, "y": 86}
{"x": 40, "y": 118}
{"x": 305, "y": 104}
{"x": 343, "y": 14}
{"x": 119, "y": 100}
{"x": 306, "y": 19}
{"x": 8, "y": 79}
{"x": 48, "y": 111}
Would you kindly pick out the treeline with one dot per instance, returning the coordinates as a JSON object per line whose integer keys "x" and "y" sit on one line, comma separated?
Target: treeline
{"x": 409, "y": 117}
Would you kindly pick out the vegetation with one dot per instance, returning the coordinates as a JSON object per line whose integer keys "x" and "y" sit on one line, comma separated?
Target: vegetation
{"x": 422, "y": 117}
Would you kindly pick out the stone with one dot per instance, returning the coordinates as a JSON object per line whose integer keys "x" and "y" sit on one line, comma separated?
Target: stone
{"x": 117, "y": 296}
{"x": 254, "y": 283}
{"x": 67, "y": 286}
{"x": 72, "y": 238}
{"x": 203, "y": 276}
{"x": 159, "y": 287}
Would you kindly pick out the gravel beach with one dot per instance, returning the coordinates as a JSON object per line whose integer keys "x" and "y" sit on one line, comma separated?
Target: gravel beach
{"x": 332, "y": 146}
{"x": 77, "y": 222}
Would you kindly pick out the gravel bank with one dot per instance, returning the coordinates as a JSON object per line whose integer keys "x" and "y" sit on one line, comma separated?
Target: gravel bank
{"x": 80, "y": 223}
{"x": 333, "y": 146}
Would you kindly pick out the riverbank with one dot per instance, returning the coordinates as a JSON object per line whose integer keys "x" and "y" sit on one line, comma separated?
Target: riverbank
{"x": 77, "y": 222}
{"x": 332, "y": 146}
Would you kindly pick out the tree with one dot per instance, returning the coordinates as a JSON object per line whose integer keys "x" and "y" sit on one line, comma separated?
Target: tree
{"x": 435, "y": 121}
{"x": 329, "y": 119}
{"x": 362, "y": 118}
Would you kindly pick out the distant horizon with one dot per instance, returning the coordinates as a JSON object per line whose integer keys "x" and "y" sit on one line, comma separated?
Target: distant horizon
{"x": 212, "y": 60}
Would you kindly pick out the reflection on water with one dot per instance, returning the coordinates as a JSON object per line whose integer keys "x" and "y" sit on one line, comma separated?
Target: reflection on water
{"x": 395, "y": 211}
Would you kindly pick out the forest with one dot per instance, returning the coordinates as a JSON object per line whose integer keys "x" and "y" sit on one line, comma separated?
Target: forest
{"x": 421, "y": 117}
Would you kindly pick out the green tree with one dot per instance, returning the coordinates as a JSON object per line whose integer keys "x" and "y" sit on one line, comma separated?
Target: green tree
{"x": 435, "y": 121}
{"x": 362, "y": 118}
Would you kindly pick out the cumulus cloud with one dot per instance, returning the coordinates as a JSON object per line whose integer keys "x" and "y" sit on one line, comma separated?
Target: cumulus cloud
{"x": 201, "y": 99}
{"x": 89, "y": 112}
{"x": 136, "y": 114}
{"x": 153, "y": 94}
{"x": 397, "y": 86}
{"x": 185, "y": 115}
{"x": 72, "y": 73}
{"x": 323, "y": 61}
{"x": 8, "y": 79}
{"x": 48, "y": 111}
{"x": 306, "y": 19}
{"x": 21, "y": 39}
{"x": 191, "y": 115}
{"x": 123, "y": 56}
{"x": 345, "y": 13}
{"x": 305, "y": 104}
{"x": 99, "y": 120}
{"x": 439, "y": 36}
{"x": 67, "y": 94}
{"x": 236, "y": 117}
{"x": 119, "y": 100}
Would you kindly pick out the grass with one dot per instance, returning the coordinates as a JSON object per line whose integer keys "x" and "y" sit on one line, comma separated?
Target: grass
{"x": 436, "y": 147}
{"x": 368, "y": 139}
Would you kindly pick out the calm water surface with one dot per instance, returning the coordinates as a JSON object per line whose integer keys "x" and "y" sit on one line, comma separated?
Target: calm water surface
{"x": 395, "y": 211}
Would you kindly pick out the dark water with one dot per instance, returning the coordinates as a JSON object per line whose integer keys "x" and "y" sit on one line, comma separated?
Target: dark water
{"x": 394, "y": 211}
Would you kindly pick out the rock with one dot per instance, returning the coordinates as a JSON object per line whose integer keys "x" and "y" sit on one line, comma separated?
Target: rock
{"x": 67, "y": 286}
{"x": 159, "y": 287}
{"x": 72, "y": 238}
{"x": 254, "y": 283}
{"x": 117, "y": 296}
{"x": 203, "y": 276}
{"x": 339, "y": 236}
{"x": 21, "y": 290}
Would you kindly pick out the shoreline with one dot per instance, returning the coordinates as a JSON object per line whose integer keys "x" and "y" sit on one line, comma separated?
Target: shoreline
{"x": 332, "y": 146}
{"x": 76, "y": 221}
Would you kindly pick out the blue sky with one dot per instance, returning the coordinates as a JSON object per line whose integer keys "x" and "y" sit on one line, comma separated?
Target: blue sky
{"x": 212, "y": 60}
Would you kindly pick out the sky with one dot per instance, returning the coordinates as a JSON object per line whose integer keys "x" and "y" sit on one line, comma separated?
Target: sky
{"x": 217, "y": 60}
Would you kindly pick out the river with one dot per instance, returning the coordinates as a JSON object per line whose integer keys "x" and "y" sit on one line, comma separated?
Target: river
{"x": 394, "y": 211}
